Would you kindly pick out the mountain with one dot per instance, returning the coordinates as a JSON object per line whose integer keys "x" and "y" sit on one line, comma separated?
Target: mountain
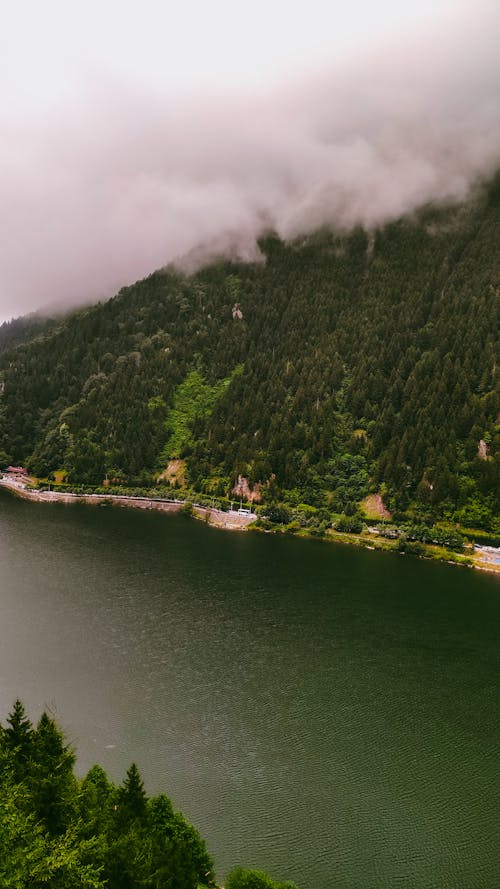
{"x": 21, "y": 330}
{"x": 338, "y": 366}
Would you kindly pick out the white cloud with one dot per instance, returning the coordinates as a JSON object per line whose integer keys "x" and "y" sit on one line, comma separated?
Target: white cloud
{"x": 121, "y": 174}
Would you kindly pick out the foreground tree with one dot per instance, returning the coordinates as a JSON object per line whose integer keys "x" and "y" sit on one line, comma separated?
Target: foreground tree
{"x": 59, "y": 832}
{"x": 241, "y": 878}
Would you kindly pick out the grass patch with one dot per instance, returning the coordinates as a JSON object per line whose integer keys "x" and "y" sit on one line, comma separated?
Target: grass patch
{"x": 194, "y": 399}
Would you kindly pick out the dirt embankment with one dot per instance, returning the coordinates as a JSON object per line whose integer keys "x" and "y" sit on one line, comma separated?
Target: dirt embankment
{"x": 219, "y": 519}
{"x": 373, "y": 507}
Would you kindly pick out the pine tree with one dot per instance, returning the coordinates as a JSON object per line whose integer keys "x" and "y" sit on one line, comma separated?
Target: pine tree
{"x": 18, "y": 739}
{"x": 132, "y": 796}
{"x": 51, "y": 779}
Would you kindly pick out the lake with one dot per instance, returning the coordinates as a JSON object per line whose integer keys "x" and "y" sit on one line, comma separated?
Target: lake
{"x": 327, "y": 714}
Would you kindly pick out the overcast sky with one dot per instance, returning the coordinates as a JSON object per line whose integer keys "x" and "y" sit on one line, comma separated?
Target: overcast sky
{"x": 134, "y": 133}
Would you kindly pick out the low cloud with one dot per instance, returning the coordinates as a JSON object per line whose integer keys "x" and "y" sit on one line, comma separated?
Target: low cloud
{"x": 119, "y": 182}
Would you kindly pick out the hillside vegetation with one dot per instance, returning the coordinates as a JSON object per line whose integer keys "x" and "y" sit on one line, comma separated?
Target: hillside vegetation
{"x": 341, "y": 366}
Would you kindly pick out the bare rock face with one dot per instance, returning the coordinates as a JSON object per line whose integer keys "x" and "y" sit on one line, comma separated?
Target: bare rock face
{"x": 482, "y": 450}
{"x": 242, "y": 489}
{"x": 236, "y": 312}
{"x": 373, "y": 506}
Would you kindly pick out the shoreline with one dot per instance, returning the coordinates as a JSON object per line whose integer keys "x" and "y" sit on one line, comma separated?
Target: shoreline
{"x": 363, "y": 541}
{"x": 232, "y": 521}
{"x": 217, "y": 518}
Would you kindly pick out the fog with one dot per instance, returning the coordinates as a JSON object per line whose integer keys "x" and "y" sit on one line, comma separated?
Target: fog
{"x": 118, "y": 178}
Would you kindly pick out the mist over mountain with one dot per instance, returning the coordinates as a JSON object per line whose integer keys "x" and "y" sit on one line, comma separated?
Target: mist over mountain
{"x": 116, "y": 179}
{"x": 342, "y": 366}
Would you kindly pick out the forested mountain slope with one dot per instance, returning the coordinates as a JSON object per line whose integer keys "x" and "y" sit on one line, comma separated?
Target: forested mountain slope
{"x": 340, "y": 365}
{"x": 20, "y": 330}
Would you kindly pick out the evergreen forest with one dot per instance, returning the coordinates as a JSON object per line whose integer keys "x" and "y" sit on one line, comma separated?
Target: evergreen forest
{"x": 341, "y": 365}
{"x": 62, "y": 832}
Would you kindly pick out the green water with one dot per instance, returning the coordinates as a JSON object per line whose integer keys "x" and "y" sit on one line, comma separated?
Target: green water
{"x": 323, "y": 713}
